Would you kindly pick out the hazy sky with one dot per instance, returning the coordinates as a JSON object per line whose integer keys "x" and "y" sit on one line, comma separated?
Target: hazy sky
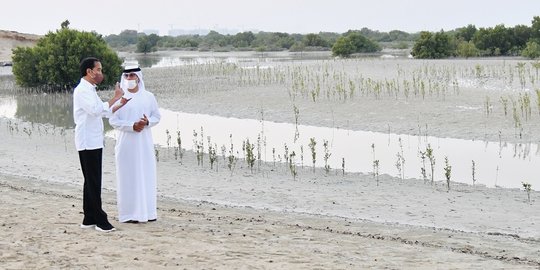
{"x": 292, "y": 16}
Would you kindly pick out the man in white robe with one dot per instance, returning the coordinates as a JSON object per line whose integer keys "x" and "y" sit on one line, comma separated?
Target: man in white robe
{"x": 134, "y": 151}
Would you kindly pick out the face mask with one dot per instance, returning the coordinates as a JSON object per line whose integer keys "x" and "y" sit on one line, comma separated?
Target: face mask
{"x": 98, "y": 77}
{"x": 131, "y": 84}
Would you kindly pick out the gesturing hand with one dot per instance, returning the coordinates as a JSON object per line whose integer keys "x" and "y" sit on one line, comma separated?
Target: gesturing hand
{"x": 141, "y": 124}
{"x": 118, "y": 92}
{"x": 123, "y": 102}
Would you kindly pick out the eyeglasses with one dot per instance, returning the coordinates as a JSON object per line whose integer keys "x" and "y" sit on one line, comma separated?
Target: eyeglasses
{"x": 130, "y": 75}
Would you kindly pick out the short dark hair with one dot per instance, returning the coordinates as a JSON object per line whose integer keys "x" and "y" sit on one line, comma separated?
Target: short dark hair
{"x": 87, "y": 63}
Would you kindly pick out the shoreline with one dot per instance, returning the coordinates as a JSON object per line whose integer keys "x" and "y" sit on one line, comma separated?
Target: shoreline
{"x": 212, "y": 236}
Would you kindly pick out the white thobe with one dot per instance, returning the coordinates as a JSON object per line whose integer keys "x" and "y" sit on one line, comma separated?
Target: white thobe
{"x": 135, "y": 159}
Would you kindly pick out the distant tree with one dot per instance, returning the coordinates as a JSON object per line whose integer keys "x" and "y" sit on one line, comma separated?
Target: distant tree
{"x": 354, "y": 42}
{"x": 493, "y": 41}
{"x": 242, "y": 40}
{"x": 519, "y": 35}
{"x": 433, "y": 46}
{"x": 64, "y": 24}
{"x": 466, "y": 33}
{"x": 314, "y": 40}
{"x": 532, "y": 50}
{"x": 466, "y": 49}
{"x": 147, "y": 44}
{"x": 535, "y": 29}
{"x": 343, "y": 47}
{"x": 297, "y": 47}
{"x": 125, "y": 38}
{"x": 54, "y": 62}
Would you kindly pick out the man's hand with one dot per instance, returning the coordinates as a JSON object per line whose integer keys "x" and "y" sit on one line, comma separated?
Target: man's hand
{"x": 123, "y": 102}
{"x": 118, "y": 92}
{"x": 141, "y": 124}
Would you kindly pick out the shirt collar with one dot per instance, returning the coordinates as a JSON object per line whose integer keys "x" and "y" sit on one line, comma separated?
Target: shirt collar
{"x": 87, "y": 83}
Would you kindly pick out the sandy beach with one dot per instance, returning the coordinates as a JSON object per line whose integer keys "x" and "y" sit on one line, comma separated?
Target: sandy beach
{"x": 266, "y": 219}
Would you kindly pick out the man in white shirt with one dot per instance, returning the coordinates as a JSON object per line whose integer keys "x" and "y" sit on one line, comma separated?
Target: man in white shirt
{"x": 88, "y": 111}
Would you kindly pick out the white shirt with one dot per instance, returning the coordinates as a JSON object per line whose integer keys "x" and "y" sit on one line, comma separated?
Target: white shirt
{"x": 88, "y": 111}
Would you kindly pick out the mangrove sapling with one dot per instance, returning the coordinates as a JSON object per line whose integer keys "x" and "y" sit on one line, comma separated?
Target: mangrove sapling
{"x": 447, "y": 172}
{"x": 302, "y": 156}
{"x": 212, "y": 154}
{"x": 487, "y": 105}
{"x": 286, "y": 153}
{"x": 376, "y": 171}
{"x": 401, "y": 159}
{"x": 296, "y": 115}
{"x": 201, "y": 152}
{"x": 224, "y": 153}
{"x": 326, "y": 156}
{"x": 231, "y": 158}
{"x": 28, "y": 131}
{"x": 292, "y": 165}
{"x": 259, "y": 154}
{"x": 527, "y": 188}
{"x": 423, "y": 168}
{"x": 343, "y": 166}
{"x": 312, "y": 144}
{"x": 180, "y": 149}
{"x": 431, "y": 158}
{"x": 274, "y": 157}
{"x": 250, "y": 156}
{"x": 473, "y": 173}
{"x": 168, "y": 139}
{"x": 504, "y": 102}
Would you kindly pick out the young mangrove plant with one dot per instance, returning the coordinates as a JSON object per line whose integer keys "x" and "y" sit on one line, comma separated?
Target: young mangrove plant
{"x": 212, "y": 154}
{"x": 296, "y": 115}
{"x": 431, "y": 158}
{"x": 292, "y": 165}
{"x": 375, "y": 165}
{"x": 473, "y": 173}
{"x": 527, "y": 188}
{"x": 400, "y": 163}
{"x": 312, "y": 144}
{"x": 326, "y": 156}
{"x": 231, "y": 158}
{"x": 274, "y": 157}
{"x": 179, "y": 142}
{"x": 447, "y": 172}
{"x": 423, "y": 168}
{"x": 250, "y": 156}
{"x": 343, "y": 166}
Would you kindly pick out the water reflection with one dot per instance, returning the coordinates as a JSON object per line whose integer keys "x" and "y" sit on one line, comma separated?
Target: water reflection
{"x": 497, "y": 164}
{"x": 249, "y": 58}
{"x": 55, "y": 109}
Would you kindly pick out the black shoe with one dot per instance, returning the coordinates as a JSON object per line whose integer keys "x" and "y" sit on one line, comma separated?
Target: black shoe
{"x": 87, "y": 226}
{"x": 132, "y": 221}
{"x": 152, "y": 220}
{"x": 87, "y": 223}
{"x": 105, "y": 228}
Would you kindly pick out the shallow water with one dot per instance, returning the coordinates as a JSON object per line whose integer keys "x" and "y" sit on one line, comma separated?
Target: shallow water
{"x": 497, "y": 164}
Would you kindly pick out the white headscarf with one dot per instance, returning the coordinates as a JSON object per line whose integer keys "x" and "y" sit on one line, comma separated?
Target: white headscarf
{"x": 123, "y": 82}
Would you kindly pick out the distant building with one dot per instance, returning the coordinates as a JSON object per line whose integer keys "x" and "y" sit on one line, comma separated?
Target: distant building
{"x": 151, "y": 31}
{"x": 204, "y": 32}
{"x": 184, "y": 32}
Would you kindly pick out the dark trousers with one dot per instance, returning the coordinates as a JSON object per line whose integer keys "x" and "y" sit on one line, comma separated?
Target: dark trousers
{"x": 91, "y": 162}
